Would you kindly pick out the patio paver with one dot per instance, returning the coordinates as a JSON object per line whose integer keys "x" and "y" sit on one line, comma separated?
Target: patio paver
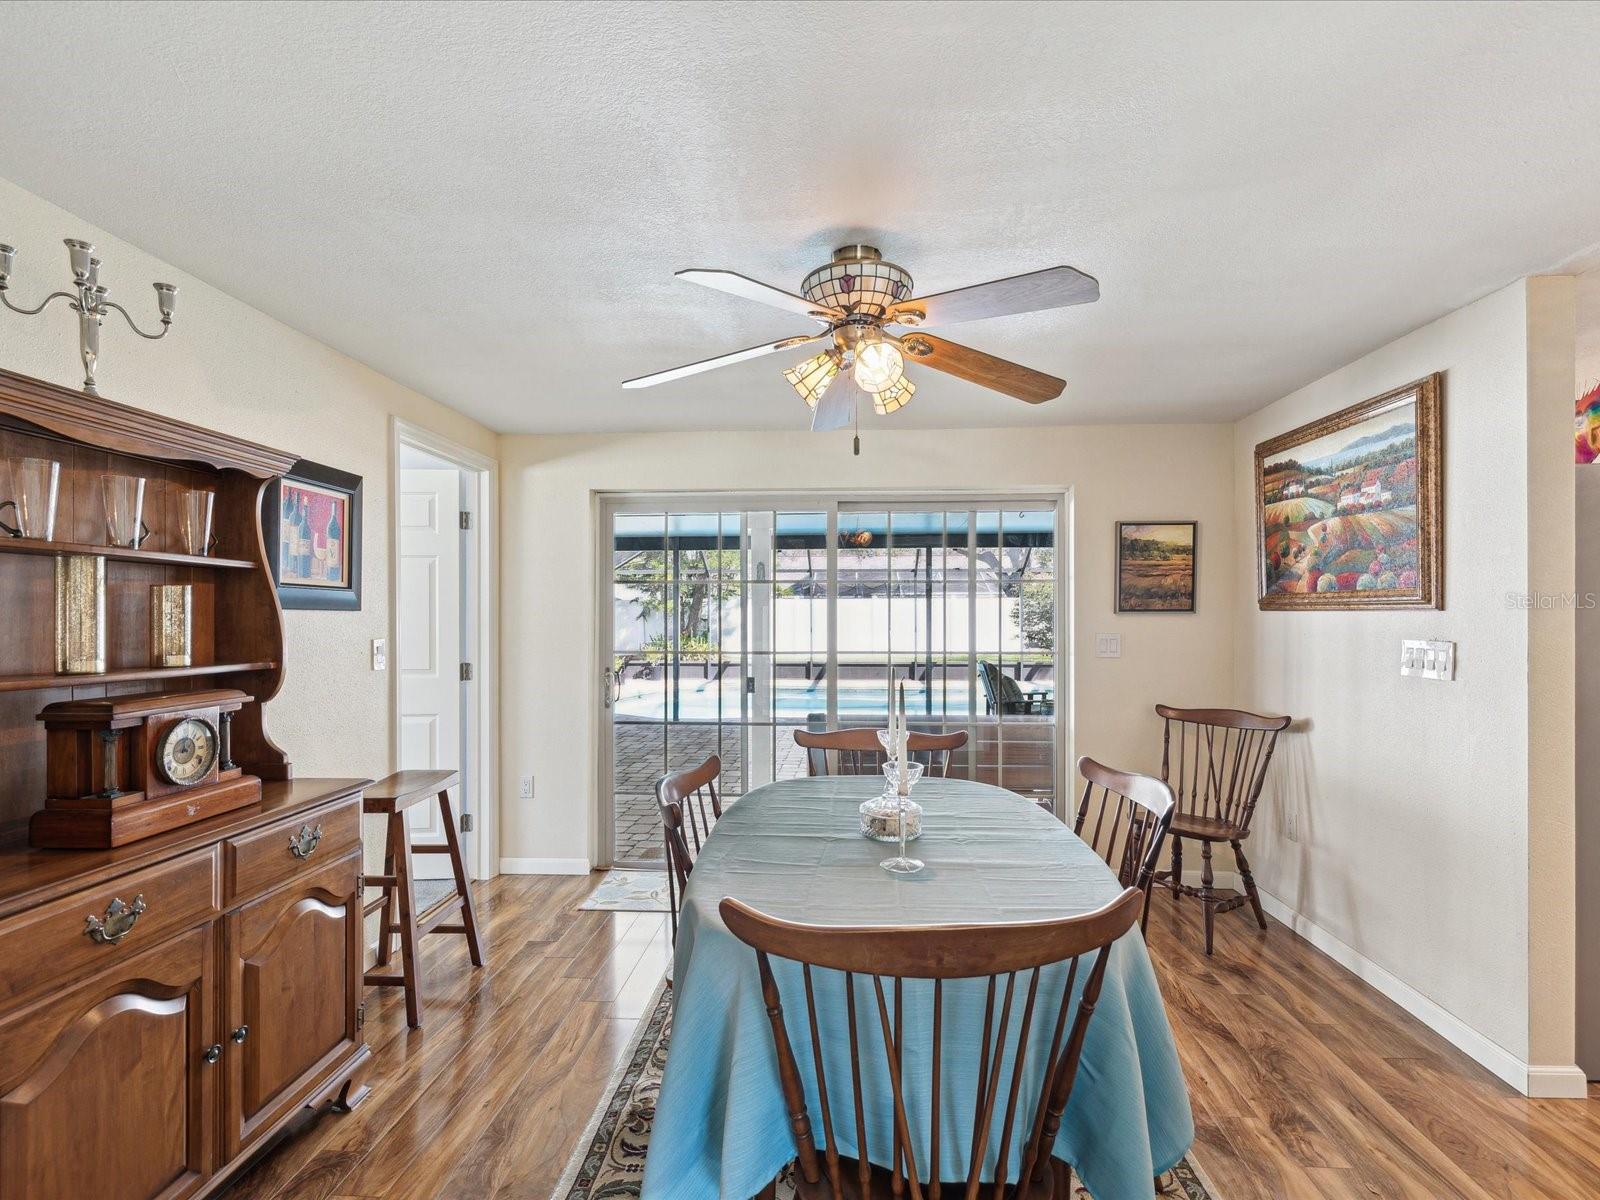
{"x": 638, "y": 764}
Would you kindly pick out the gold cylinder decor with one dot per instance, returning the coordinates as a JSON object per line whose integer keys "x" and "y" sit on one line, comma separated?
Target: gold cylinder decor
{"x": 80, "y": 614}
{"x": 171, "y": 610}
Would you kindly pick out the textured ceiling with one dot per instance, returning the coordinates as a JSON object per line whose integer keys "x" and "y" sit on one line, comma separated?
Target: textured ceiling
{"x": 488, "y": 202}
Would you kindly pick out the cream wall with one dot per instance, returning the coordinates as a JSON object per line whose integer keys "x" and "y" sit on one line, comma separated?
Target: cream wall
{"x": 549, "y": 696}
{"x": 1432, "y": 845}
{"x": 228, "y": 366}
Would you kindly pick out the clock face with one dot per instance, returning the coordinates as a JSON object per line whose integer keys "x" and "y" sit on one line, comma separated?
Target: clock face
{"x": 187, "y": 752}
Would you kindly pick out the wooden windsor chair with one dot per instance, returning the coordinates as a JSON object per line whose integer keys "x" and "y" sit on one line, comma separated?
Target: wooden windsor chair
{"x": 1127, "y": 825}
{"x": 1215, "y": 760}
{"x": 858, "y": 751}
{"x": 683, "y": 797}
{"x": 934, "y": 954}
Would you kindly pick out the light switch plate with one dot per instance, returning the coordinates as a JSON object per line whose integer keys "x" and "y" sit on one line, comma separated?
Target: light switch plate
{"x": 1428, "y": 660}
{"x": 380, "y": 654}
{"x": 1108, "y": 645}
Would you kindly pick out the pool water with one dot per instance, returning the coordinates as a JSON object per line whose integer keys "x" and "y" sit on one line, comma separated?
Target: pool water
{"x": 794, "y": 701}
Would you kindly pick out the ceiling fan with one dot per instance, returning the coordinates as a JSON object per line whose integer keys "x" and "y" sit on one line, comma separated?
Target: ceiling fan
{"x": 873, "y": 327}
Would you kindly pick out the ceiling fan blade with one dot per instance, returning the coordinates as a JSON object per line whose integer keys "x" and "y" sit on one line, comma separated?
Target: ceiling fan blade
{"x": 837, "y": 408}
{"x": 722, "y": 360}
{"x": 1054, "y": 287}
{"x": 984, "y": 369}
{"x": 753, "y": 289}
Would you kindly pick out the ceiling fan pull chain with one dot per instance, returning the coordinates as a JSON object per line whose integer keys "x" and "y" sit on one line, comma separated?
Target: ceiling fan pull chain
{"x": 858, "y": 431}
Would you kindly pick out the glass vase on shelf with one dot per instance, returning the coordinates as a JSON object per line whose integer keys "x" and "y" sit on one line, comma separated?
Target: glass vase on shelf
{"x": 124, "y": 503}
{"x": 195, "y": 508}
{"x": 34, "y": 483}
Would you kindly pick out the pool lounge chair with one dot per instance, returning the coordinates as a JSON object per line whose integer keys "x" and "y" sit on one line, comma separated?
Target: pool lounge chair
{"x": 1002, "y": 694}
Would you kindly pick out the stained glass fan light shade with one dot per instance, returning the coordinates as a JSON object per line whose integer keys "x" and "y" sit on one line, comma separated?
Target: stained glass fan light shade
{"x": 894, "y": 398}
{"x": 861, "y": 285}
{"x": 812, "y": 377}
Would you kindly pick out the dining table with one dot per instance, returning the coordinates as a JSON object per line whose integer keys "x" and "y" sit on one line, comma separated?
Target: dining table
{"x": 793, "y": 849}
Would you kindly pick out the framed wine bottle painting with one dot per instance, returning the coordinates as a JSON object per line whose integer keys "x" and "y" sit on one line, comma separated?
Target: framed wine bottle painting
{"x": 312, "y": 521}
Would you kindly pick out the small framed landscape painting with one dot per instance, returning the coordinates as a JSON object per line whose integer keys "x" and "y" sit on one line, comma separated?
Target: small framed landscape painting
{"x": 312, "y": 521}
{"x": 1155, "y": 566}
{"x": 1348, "y": 508}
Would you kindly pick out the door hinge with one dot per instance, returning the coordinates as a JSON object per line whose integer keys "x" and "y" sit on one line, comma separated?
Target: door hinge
{"x": 466, "y": 822}
{"x": 466, "y": 519}
{"x": 361, "y": 1015}
{"x": 466, "y": 672}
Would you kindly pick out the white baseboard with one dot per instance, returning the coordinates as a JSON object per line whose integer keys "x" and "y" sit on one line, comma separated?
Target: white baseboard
{"x": 544, "y": 866}
{"x": 1557, "y": 1083}
{"x": 1547, "y": 1082}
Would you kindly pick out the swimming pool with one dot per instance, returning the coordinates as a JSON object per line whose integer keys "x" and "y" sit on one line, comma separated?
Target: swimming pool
{"x": 794, "y": 701}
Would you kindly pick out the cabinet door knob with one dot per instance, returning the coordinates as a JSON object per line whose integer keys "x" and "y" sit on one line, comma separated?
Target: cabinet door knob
{"x": 212, "y": 1054}
{"x": 304, "y": 844}
{"x": 117, "y": 923}
{"x": 239, "y": 1034}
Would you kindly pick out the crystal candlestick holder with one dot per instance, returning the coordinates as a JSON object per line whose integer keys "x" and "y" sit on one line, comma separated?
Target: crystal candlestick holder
{"x": 899, "y": 792}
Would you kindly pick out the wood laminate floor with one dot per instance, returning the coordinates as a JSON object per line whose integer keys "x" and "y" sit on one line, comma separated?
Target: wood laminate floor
{"x": 1305, "y": 1082}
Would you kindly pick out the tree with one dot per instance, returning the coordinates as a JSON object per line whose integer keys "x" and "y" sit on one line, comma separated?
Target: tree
{"x": 704, "y": 577}
{"x": 1038, "y": 606}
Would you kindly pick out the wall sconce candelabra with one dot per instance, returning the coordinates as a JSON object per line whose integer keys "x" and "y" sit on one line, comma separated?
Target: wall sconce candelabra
{"x": 89, "y": 301}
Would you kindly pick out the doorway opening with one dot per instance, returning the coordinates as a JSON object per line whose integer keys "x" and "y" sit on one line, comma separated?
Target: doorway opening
{"x": 443, "y": 637}
{"x": 730, "y": 623}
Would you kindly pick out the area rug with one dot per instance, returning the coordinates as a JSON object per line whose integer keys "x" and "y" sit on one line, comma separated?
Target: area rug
{"x": 608, "y": 1163}
{"x": 428, "y": 892}
{"x": 629, "y": 891}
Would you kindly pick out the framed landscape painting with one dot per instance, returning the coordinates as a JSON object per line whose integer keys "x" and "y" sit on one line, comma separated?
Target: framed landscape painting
{"x": 1155, "y": 566}
{"x": 1348, "y": 508}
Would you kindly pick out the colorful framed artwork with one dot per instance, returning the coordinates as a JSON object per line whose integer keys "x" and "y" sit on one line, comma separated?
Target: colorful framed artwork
{"x": 1587, "y": 420}
{"x": 1349, "y": 509}
{"x": 1155, "y": 566}
{"x": 312, "y": 521}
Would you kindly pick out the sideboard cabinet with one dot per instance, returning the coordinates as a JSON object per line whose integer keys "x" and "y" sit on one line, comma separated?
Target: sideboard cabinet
{"x": 167, "y": 1006}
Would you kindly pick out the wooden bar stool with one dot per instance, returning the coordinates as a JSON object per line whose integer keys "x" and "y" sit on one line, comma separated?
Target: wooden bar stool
{"x": 390, "y": 798}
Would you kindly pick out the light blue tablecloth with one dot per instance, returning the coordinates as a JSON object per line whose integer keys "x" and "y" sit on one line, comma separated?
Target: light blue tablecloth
{"x": 792, "y": 849}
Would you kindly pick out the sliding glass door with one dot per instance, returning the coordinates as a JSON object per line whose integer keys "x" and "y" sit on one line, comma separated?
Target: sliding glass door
{"x": 731, "y": 627}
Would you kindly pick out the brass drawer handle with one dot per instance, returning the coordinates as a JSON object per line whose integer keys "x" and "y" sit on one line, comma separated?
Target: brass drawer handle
{"x": 117, "y": 923}
{"x": 304, "y": 844}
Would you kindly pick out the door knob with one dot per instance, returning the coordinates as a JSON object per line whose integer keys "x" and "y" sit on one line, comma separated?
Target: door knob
{"x": 239, "y": 1034}
{"x": 212, "y": 1054}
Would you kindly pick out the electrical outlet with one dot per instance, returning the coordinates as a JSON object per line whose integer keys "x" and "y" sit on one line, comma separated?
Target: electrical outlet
{"x": 1428, "y": 660}
{"x": 527, "y": 787}
{"x": 380, "y": 654}
{"x": 1108, "y": 645}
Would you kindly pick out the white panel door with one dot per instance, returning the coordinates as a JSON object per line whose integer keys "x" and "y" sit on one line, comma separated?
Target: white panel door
{"x": 429, "y": 651}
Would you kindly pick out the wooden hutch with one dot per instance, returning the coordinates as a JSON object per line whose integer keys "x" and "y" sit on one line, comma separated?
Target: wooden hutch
{"x": 169, "y": 1004}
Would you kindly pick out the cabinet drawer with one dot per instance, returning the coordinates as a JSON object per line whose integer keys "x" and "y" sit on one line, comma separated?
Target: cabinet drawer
{"x": 54, "y": 943}
{"x": 258, "y": 862}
